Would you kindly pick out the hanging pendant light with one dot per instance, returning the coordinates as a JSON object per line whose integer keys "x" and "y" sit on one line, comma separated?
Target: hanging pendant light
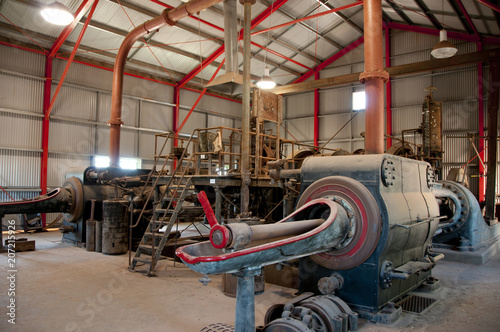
{"x": 57, "y": 13}
{"x": 266, "y": 82}
{"x": 444, "y": 49}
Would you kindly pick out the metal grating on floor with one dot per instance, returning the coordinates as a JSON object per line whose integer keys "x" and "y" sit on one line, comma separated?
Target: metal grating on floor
{"x": 416, "y": 304}
{"x": 218, "y": 327}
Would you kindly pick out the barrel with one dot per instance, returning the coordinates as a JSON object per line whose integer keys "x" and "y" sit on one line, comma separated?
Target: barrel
{"x": 114, "y": 227}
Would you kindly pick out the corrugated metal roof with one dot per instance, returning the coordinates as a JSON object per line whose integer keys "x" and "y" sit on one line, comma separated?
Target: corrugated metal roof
{"x": 111, "y": 23}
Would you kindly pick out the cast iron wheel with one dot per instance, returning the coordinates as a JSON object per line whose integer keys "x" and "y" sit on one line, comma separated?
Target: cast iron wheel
{"x": 366, "y": 216}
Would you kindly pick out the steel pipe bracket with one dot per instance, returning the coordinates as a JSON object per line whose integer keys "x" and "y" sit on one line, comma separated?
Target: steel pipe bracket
{"x": 374, "y": 74}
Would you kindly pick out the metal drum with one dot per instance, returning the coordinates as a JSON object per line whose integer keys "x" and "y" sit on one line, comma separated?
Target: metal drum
{"x": 114, "y": 227}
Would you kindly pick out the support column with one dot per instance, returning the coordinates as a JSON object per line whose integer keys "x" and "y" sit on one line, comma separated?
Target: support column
{"x": 493, "y": 99}
{"x": 175, "y": 121}
{"x": 480, "y": 102}
{"x": 245, "y": 300}
{"x": 374, "y": 77}
{"x": 316, "y": 112}
{"x": 388, "y": 89}
{"x": 47, "y": 92}
{"x": 245, "y": 120}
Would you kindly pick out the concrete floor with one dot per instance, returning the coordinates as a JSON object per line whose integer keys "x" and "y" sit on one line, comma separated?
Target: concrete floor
{"x": 64, "y": 288}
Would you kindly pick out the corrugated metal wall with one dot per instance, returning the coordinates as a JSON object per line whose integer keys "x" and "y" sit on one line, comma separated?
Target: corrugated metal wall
{"x": 457, "y": 88}
{"x": 78, "y": 129}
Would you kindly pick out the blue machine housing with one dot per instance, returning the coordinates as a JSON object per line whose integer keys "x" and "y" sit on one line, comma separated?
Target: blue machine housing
{"x": 402, "y": 258}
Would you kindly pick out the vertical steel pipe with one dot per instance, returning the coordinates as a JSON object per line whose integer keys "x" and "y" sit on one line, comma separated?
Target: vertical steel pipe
{"x": 245, "y": 120}
{"x": 316, "y": 112}
{"x": 245, "y": 301}
{"x": 374, "y": 77}
{"x": 231, "y": 36}
{"x": 480, "y": 103}
{"x": 167, "y": 17}
{"x": 388, "y": 89}
{"x": 491, "y": 177}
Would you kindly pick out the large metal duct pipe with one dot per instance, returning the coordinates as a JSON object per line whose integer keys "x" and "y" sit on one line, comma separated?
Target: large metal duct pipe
{"x": 374, "y": 77}
{"x": 167, "y": 17}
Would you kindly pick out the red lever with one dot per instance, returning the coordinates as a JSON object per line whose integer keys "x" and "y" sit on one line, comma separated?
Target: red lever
{"x": 207, "y": 207}
{"x": 220, "y": 236}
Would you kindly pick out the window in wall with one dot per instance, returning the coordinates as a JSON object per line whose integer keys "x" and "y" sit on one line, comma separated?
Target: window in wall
{"x": 125, "y": 163}
{"x": 358, "y": 101}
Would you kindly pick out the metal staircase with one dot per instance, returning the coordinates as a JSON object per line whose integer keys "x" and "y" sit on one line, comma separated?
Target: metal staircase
{"x": 167, "y": 205}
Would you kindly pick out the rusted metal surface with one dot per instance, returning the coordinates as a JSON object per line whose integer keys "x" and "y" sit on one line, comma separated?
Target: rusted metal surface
{"x": 114, "y": 227}
{"x": 374, "y": 77}
{"x": 266, "y": 105}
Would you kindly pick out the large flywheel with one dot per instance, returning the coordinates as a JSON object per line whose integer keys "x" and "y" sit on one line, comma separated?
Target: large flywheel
{"x": 366, "y": 220}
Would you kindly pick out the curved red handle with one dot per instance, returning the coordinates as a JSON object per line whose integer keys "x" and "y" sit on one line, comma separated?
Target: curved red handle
{"x": 219, "y": 234}
{"x": 205, "y": 203}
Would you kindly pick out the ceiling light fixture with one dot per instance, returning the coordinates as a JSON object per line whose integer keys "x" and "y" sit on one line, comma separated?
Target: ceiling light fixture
{"x": 57, "y": 13}
{"x": 444, "y": 49}
{"x": 266, "y": 82}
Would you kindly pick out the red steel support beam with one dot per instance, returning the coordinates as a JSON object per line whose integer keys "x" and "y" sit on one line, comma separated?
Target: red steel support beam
{"x": 331, "y": 11}
{"x": 280, "y": 55}
{"x": 84, "y": 7}
{"x": 480, "y": 102}
{"x": 47, "y": 92}
{"x": 451, "y": 34}
{"x": 388, "y": 89}
{"x": 211, "y": 58}
{"x": 177, "y": 130}
{"x": 316, "y": 112}
{"x": 47, "y": 85}
{"x": 374, "y": 77}
{"x": 467, "y": 17}
{"x": 330, "y": 60}
{"x": 490, "y": 5}
{"x": 72, "y": 56}
{"x": 175, "y": 115}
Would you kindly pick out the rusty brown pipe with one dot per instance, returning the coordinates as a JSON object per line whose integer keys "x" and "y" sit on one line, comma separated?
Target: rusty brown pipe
{"x": 374, "y": 77}
{"x": 167, "y": 17}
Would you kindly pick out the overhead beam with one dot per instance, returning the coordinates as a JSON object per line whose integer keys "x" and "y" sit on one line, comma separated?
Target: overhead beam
{"x": 305, "y": 26}
{"x": 465, "y": 13}
{"x": 451, "y": 34}
{"x": 459, "y": 13}
{"x": 80, "y": 12}
{"x": 330, "y": 60}
{"x": 344, "y": 18}
{"x": 429, "y": 14}
{"x": 412, "y": 68}
{"x": 398, "y": 11}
